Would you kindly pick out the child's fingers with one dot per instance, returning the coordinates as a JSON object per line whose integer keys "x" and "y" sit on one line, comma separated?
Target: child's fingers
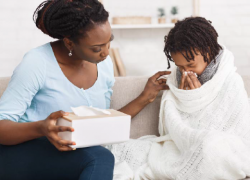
{"x": 195, "y": 80}
{"x": 190, "y": 82}
{"x": 186, "y": 86}
{"x": 199, "y": 83}
{"x": 183, "y": 77}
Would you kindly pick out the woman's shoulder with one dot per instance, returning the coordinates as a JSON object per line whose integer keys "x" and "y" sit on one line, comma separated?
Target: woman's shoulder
{"x": 36, "y": 58}
{"x": 38, "y": 53}
{"x": 33, "y": 63}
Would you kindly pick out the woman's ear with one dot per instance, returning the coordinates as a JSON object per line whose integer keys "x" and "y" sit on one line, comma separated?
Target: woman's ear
{"x": 69, "y": 44}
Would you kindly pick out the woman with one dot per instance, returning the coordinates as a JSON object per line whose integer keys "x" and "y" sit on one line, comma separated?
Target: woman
{"x": 72, "y": 71}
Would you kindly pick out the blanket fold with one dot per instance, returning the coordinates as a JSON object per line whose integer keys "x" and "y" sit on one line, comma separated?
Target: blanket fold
{"x": 205, "y": 133}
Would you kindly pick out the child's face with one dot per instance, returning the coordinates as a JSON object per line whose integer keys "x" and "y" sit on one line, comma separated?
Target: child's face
{"x": 197, "y": 65}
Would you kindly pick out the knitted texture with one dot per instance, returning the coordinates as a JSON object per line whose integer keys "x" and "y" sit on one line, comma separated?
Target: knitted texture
{"x": 209, "y": 126}
{"x": 205, "y": 133}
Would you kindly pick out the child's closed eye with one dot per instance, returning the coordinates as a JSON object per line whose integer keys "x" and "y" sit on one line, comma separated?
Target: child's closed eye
{"x": 191, "y": 65}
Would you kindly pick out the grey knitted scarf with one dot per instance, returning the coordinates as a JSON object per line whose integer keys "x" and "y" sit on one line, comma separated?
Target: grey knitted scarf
{"x": 208, "y": 73}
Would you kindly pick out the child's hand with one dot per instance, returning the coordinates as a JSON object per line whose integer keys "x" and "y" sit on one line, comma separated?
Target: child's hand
{"x": 183, "y": 85}
{"x": 192, "y": 80}
{"x": 189, "y": 81}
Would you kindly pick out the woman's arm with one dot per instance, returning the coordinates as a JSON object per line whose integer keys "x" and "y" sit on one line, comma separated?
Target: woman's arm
{"x": 12, "y": 133}
{"x": 27, "y": 79}
{"x": 152, "y": 88}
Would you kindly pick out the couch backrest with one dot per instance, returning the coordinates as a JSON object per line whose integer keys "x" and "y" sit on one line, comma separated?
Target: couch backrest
{"x": 125, "y": 90}
{"x": 3, "y": 84}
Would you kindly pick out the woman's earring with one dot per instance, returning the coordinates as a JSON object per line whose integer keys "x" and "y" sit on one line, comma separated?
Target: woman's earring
{"x": 70, "y": 53}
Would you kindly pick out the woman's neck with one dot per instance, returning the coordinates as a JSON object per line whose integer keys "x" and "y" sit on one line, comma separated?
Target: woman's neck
{"x": 63, "y": 58}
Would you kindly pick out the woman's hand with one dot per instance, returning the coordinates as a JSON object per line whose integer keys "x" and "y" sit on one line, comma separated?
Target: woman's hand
{"x": 154, "y": 86}
{"x": 50, "y": 130}
{"x": 189, "y": 81}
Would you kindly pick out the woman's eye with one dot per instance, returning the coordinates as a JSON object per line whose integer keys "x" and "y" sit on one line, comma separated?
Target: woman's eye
{"x": 97, "y": 50}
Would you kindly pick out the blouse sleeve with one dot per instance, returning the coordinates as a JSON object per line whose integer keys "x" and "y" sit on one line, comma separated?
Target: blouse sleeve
{"x": 27, "y": 79}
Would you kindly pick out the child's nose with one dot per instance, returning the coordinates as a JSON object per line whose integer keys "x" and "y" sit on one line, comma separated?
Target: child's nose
{"x": 184, "y": 69}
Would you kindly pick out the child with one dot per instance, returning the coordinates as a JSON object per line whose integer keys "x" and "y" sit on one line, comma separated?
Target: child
{"x": 204, "y": 117}
{"x": 192, "y": 45}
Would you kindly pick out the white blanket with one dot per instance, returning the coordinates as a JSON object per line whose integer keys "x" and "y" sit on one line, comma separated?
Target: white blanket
{"x": 205, "y": 133}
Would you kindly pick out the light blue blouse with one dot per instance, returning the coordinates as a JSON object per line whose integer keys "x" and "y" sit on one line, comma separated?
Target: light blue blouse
{"x": 38, "y": 87}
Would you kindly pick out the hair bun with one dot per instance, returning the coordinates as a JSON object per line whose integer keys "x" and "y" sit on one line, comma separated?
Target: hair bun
{"x": 68, "y": 18}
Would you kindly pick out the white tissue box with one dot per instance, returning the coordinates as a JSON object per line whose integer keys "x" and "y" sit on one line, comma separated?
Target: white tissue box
{"x": 96, "y": 130}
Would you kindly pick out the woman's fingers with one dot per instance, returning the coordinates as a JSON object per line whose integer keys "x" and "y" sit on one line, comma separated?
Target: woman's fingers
{"x": 163, "y": 85}
{"x": 61, "y": 147}
{"x": 162, "y": 81}
{"x": 58, "y": 142}
{"x": 58, "y": 114}
{"x": 62, "y": 142}
{"x": 155, "y": 77}
{"x": 51, "y": 130}
{"x": 62, "y": 128}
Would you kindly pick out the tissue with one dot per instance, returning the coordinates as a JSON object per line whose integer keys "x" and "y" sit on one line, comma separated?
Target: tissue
{"x": 88, "y": 111}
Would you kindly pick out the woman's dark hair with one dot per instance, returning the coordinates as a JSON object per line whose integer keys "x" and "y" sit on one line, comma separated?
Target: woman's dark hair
{"x": 192, "y": 34}
{"x": 69, "y": 18}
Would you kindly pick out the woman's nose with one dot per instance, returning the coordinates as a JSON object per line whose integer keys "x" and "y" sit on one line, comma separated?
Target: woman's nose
{"x": 105, "y": 51}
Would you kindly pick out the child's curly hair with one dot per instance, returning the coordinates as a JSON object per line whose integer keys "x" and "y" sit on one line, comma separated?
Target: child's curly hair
{"x": 192, "y": 34}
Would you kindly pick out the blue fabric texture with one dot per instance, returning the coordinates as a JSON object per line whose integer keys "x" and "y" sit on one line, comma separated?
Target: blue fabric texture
{"x": 38, "y": 159}
{"x": 38, "y": 87}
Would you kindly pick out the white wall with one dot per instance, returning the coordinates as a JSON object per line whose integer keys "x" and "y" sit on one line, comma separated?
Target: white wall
{"x": 141, "y": 50}
{"x": 231, "y": 19}
{"x": 18, "y": 33}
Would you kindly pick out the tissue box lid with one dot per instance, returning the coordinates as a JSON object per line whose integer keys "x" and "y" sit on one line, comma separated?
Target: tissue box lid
{"x": 72, "y": 117}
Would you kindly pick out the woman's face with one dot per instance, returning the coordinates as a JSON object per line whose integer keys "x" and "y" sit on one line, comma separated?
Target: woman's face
{"x": 198, "y": 65}
{"x": 94, "y": 47}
